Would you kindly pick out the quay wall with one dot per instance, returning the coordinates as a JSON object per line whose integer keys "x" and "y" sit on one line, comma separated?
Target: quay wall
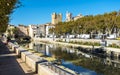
{"x": 24, "y": 55}
{"x": 80, "y": 40}
{"x": 109, "y": 50}
{"x": 36, "y": 63}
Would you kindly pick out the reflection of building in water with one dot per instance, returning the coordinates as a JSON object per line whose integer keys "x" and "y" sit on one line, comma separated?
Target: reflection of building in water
{"x": 37, "y": 47}
{"x": 42, "y": 48}
{"x": 47, "y": 51}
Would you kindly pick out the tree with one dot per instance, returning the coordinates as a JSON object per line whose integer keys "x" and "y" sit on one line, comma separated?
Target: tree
{"x": 107, "y": 23}
{"x": 6, "y": 8}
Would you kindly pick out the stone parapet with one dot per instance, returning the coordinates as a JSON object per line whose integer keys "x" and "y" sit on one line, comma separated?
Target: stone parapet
{"x": 24, "y": 55}
{"x": 44, "y": 69}
{"x": 33, "y": 60}
{"x": 19, "y": 51}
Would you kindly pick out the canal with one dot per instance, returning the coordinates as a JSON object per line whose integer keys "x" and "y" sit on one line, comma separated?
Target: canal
{"x": 80, "y": 60}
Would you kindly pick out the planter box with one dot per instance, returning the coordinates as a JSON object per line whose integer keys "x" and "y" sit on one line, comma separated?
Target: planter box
{"x": 19, "y": 51}
{"x": 33, "y": 60}
{"x": 45, "y": 70}
{"x": 24, "y": 54}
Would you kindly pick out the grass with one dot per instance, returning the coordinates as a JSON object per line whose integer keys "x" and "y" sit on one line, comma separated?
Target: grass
{"x": 114, "y": 46}
{"x": 82, "y": 43}
{"x": 90, "y": 43}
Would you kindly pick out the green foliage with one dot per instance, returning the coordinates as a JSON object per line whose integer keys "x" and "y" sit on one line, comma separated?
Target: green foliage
{"x": 98, "y": 66}
{"x": 63, "y": 54}
{"x": 114, "y": 45}
{"x": 15, "y": 30}
{"x": 90, "y": 24}
{"x": 6, "y": 8}
{"x": 82, "y": 43}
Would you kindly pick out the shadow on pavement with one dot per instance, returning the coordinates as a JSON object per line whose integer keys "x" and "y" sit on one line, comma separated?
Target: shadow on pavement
{"x": 8, "y": 62}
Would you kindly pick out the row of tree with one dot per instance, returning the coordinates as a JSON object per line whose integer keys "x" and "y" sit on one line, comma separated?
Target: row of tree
{"x": 6, "y": 8}
{"x": 107, "y": 23}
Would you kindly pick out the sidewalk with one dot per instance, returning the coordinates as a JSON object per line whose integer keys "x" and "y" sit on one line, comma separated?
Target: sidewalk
{"x": 10, "y": 64}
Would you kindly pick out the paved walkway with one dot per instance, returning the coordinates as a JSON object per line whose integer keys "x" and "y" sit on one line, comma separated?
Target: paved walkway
{"x": 10, "y": 64}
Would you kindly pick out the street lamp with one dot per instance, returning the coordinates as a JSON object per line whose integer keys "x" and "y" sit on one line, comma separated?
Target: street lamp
{"x": 53, "y": 34}
{"x": 79, "y": 30}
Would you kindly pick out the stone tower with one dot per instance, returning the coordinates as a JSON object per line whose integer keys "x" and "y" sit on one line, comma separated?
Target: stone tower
{"x": 68, "y": 16}
{"x": 56, "y": 18}
{"x": 59, "y": 17}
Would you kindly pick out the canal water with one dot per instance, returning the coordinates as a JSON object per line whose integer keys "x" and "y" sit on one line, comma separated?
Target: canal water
{"x": 79, "y": 59}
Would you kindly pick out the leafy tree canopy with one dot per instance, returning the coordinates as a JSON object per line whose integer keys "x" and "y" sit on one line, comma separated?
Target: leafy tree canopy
{"x": 105, "y": 23}
{"x": 6, "y": 8}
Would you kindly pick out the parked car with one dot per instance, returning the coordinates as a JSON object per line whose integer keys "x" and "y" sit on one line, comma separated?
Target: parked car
{"x": 85, "y": 36}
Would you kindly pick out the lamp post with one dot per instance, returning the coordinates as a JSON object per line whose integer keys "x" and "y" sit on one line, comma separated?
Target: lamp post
{"x": 79, "y": 30}
{"x": 67, "y": 37}
{"x": 53, "y": 34}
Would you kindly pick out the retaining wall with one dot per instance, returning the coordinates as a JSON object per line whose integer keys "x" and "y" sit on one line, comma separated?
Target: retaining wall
{"x": 32, "y": 61}
{"x": 24, "y": 55}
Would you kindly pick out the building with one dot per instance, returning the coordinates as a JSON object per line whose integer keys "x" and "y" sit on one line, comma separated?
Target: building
{"x": 56, "y": 18}
{"x": 47, "y": 32}
{"x": 23, "y": 30}
{"x": 42, "y": 30}
{"x": 68, "y": 16}
{"x": 34, "y": 31}
{"x": 77, "y": 17}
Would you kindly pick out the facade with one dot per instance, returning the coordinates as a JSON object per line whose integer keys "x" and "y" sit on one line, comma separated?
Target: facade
{"x": 68, "y": 17}
{"x": 47, "y": 33}
{"x": 23, "y": 30}
{"x": 77, "y": 17}
{"x": 34, "y": 31}
{"x": 56, "y": 18}
{"x": 42, "y": 30}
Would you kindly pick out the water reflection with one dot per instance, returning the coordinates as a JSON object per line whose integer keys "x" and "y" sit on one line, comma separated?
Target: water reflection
{"x": 80, "y": 60}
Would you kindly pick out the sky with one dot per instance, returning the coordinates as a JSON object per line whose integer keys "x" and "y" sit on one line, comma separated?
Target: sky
{"x": 39, "y": 11}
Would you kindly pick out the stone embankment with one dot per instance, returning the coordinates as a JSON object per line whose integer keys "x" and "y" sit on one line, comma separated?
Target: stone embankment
{"x": 109, "y": 50}
{"x": 38, "y": 64}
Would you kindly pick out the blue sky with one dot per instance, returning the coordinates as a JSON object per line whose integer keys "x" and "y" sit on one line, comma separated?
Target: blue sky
{"x": 39, "y": 11}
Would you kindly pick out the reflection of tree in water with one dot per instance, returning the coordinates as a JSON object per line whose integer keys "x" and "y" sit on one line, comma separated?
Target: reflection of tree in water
{"x": 97, "y": 65}
{"x": 63, "y": 54}
{"x": 94, "y": 63}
